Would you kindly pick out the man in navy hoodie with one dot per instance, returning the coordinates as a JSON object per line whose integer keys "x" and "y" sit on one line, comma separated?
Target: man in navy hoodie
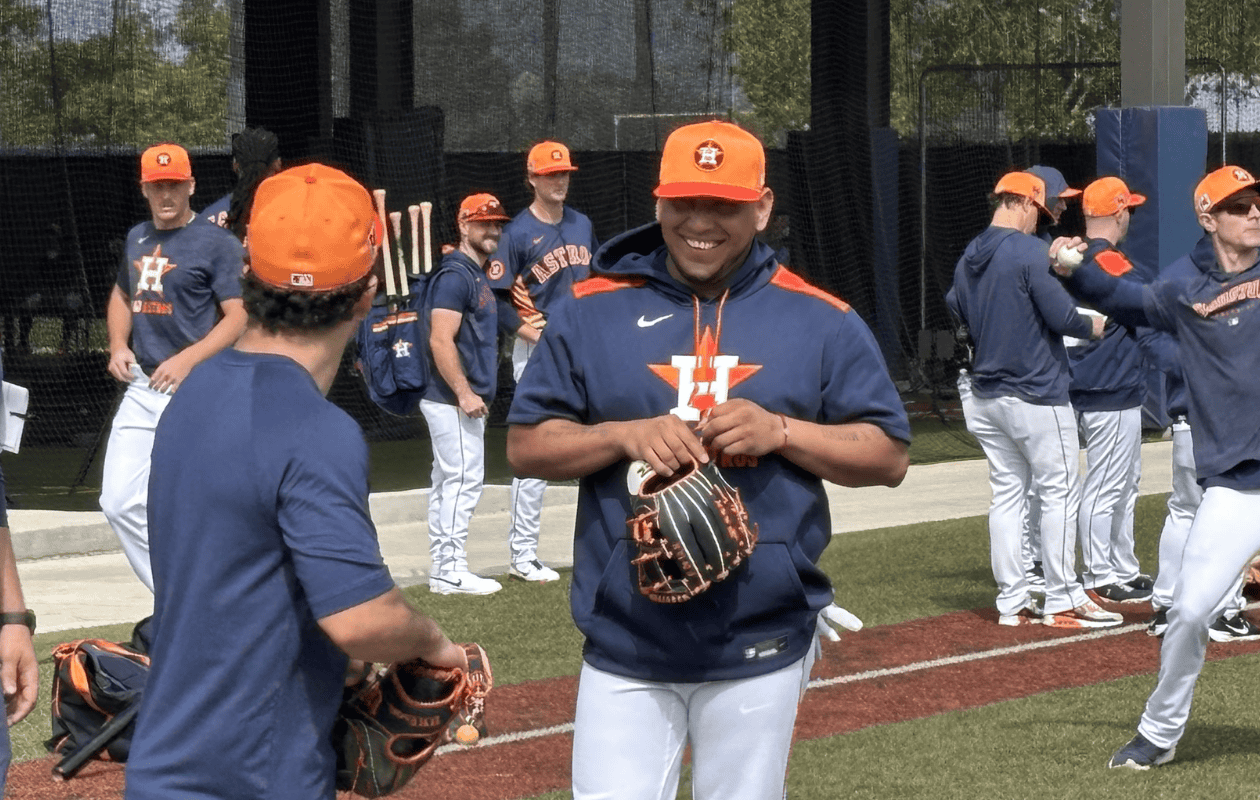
{"x": 690, "y": 343}
{"x": 1015, "y": 401}
{"x": 1211, "y": 305}
{"x": 1106, "y": 392}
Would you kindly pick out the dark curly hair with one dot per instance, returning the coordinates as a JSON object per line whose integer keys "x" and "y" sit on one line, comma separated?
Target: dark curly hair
{"x": 254, "y": 151}
{"x": 278, "y": 309}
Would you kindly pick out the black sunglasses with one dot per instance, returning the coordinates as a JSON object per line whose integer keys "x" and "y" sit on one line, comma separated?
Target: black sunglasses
{"x": 1241, "y": 208}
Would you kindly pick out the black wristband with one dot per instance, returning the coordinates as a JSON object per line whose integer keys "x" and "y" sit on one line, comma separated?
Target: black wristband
{"x": 26, "y": 618}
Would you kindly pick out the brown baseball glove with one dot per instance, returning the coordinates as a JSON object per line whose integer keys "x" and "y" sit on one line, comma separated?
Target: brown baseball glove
{"x": 691, "y": 529}
{"x": 392, "y": 721}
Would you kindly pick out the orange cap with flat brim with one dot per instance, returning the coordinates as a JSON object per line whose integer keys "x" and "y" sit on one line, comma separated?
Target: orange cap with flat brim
{"x": 313, "y": 228}
{"x": 165, "y": 162}
{"x": 548, "y": 157}
{"x": 1218, "y": 185}
{"x": 1106, "y": 196}
{"x": 1024, "y": 184}
{"x": 712, "y": 159}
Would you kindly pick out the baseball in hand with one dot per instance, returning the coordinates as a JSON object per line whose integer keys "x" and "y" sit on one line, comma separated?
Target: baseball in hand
{"x": 467, "y": 734}
{"x": 1069, "y": 257}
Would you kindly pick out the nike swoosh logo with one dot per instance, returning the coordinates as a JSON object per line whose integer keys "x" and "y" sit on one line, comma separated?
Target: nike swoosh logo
{"x": 539, "y": 239}
{"x": 459, "y": 582}
{"x": 142, "y": 240}
{"x": 644, "y": 322}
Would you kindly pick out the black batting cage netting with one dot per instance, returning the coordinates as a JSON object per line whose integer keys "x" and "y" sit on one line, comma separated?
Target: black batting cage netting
{"x": 887, "y": 123}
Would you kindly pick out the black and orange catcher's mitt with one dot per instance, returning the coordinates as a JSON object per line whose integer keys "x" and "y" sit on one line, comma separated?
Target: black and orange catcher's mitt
{"x": 392, "y": 721}
{"x": 691, "y": 530}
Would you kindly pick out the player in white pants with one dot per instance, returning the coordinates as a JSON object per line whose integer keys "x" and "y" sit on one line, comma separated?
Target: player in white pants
{"x": 545, "y": 248}
{"x": 178, "y": 274}
{"x": 463, "y": 323}
{"x": 1015, "y": 401}
{"x": 527, "y": 500}
{"x": 1211, "y": 304}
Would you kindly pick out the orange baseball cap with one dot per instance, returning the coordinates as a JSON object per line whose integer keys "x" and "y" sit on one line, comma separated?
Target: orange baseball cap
{"x": 1219, "y": 185}
{"x": 481, "y": 208}
{"x": 1024, "y": 184}
{"x": 1106, "y": 196}
{"x": 548, "y": 157}
{"x": 713, "y": 159}
{"x": 165, "y": 162}
{"x": 312, "y": 229}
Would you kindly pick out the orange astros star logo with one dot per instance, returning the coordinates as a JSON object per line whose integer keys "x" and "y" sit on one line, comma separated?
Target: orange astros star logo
{"x": 703, "y": 380}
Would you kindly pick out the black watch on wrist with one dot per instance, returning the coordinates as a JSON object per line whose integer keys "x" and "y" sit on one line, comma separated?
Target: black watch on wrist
{"x": 26, "y": 618}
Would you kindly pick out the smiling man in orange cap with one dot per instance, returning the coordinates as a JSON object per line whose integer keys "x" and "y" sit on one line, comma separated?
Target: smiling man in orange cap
{"x": 267, "y": 573}
{"x": 690, "y": 344}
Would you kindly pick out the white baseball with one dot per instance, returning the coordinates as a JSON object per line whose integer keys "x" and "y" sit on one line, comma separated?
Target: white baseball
{"x": 1069, "y": 257}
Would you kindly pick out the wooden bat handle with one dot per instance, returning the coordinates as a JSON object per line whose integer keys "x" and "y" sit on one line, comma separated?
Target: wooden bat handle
{"x": 395, "y": 222}
{"x": 379, "y": 196}
{"x": 426, "y": 212}
{"x": 414, "y": 212}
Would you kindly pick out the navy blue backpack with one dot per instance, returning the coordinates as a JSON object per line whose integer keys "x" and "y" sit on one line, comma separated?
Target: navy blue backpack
{"x": 394, "y": 349}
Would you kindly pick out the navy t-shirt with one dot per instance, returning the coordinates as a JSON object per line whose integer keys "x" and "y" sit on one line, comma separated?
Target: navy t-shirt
{"x": 259, "y": 526}
{"x": 175, "y": 281}
{"x": 460, "y": 285}
{"x": 536, "y": 263}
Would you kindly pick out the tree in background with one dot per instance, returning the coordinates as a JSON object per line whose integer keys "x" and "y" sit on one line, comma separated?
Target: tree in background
{"x": 139, "y": 82}
{"x": 770, "y": 42}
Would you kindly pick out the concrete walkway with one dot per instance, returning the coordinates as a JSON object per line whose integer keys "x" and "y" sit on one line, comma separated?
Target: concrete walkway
{"x": 74, "y": 575}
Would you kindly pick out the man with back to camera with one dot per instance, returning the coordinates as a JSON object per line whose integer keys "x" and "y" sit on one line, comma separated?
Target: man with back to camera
{"x": 1209, "y": 303}
{"x": 177, "y": 301}
{"x": 268, "y": 576}
{"x": 1108, "y": 383}
{"x": 544, "y": 249}
{"x": 743, "y": 364}
{"x": 462, "y": 339}
{"x": 1015, "y": 401}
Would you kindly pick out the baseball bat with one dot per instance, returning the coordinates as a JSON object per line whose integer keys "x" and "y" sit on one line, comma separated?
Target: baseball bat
{"x": 414, "y": 212}
{"x": 379, "y": 196}
{"x": 395, "y": 221}
{"x": 71, "y": 763}
{"x": 426, "y": 211}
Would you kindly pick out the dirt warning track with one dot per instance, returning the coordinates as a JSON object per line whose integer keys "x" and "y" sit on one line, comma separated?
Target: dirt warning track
{"x": 878, "y": 676}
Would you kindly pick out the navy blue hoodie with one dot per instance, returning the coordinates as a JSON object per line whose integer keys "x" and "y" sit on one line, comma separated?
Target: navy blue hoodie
{"x": 1215, "y": 316}
{"x": 1107, "y": 374}
{"x": 630, "y": 346}
{"x": 1017, "y": 313}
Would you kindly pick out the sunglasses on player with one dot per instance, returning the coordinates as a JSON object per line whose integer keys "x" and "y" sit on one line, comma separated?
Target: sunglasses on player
{"x": 1241, "y": 207}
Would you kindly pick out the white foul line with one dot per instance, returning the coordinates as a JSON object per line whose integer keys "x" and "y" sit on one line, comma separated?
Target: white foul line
{"x": 918, "y": 666}
{"x": 979, "y": 656}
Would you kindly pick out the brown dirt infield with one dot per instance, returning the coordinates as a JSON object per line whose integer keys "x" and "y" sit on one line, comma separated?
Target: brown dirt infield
{"x": 531, "y": 766}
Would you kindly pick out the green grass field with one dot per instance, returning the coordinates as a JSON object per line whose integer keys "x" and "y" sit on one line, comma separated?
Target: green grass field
{"x": 1052, "y": 745}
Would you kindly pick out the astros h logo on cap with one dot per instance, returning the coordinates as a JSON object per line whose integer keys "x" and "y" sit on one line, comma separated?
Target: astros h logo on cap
{"x": 313, "y": 228}
{"x": 1218, "y": 185}
{"x": 548, "y": 157}
{"x": 165, "y": 162}
{"x": 712, "y": 159}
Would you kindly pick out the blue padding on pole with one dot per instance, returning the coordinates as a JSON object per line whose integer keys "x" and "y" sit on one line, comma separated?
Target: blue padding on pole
{"x": 1160, "y": 152}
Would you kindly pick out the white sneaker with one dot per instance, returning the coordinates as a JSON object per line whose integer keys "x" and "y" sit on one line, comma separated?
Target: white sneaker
{"x": 534, "y": 571}
{"x": 462, "y": 582}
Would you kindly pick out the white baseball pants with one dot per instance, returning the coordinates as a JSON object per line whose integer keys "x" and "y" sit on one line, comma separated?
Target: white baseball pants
{"x": 125, "y": 480}
{"x": 1183, "y": 502}
{"x": 459, "y": 470}
{"x": 1029, "y": 447}
{"x": 1113, "y": 467}
{"x": 527, "y": 493}
{"x": 629, "y": 735}
{"x": 1222, "y": 541}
